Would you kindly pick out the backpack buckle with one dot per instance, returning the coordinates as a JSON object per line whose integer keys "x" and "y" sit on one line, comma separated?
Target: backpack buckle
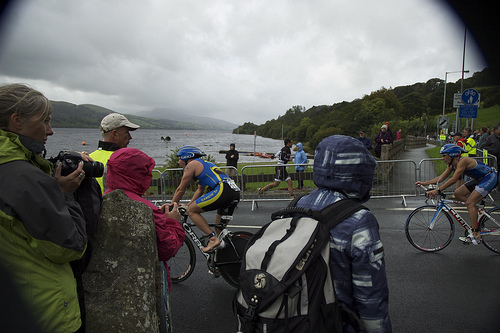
{"x": 252, "y": 307}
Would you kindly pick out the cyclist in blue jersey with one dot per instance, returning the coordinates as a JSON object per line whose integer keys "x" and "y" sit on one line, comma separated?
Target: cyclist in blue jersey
{"x": 221, "y": 190}
{"x": 484, "y": 179}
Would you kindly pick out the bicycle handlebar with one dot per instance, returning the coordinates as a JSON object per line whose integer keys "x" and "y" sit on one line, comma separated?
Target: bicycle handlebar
{"x": 182, "y": 211}
{"x": 427, "y": 189}
{"x": 423, "y": 186}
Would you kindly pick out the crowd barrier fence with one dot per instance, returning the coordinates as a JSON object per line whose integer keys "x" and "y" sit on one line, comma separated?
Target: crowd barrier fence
{"x": 394, "y": 178}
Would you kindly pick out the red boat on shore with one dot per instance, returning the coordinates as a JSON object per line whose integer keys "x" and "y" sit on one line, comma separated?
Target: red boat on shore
{"x": 263, "y": 155}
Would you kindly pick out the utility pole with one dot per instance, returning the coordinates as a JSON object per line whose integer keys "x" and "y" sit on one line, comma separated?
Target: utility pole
{"x": 462, "y": 82}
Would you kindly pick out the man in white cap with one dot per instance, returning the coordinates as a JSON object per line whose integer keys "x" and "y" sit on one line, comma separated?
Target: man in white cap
{"x": 115, "y": 129}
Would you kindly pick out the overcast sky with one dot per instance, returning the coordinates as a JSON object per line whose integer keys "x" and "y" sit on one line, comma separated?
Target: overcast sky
{"x": 241, "y": 61}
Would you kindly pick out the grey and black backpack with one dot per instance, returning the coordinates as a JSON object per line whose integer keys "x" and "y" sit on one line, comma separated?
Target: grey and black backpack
{"x": 285, "y": 281}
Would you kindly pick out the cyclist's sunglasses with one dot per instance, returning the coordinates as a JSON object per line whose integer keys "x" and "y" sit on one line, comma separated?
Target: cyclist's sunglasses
{"x": 445, "y": 155}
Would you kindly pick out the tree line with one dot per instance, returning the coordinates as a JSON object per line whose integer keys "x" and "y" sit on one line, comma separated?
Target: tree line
{"x": 411, "y": 108}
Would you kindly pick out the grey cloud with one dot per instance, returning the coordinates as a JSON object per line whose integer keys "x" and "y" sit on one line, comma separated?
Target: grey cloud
{"x": 241, "y": 61}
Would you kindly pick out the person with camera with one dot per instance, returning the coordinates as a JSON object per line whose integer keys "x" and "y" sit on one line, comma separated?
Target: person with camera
{"x": 89, "y": 196}
{"x": 115, "y": 129}
{"x": 42, "y": 227}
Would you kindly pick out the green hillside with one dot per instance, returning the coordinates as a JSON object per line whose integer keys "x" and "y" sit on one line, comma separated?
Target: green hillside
{"x": 414, "y": 109}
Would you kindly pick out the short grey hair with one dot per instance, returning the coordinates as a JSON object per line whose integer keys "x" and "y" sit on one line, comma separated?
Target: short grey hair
{"x": 24, "y": 101}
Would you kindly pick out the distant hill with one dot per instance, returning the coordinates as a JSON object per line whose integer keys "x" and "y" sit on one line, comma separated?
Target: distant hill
{"x": 182, "y": 116}
{"x": 68, "y": 115}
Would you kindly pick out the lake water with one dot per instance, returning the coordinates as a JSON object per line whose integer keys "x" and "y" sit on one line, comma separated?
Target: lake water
{"x": 150, "y": 142}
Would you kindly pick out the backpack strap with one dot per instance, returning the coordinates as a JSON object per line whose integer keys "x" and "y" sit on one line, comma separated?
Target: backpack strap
{"x": 291, "y": 210}
{"x": 272, "y": 248}
{"x": 329, "y": 216}
{"x": 294, "y": 201}
{"x": 337, "y": 212}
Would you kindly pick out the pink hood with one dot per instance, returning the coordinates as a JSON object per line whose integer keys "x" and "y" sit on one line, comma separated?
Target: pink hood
{"x": 129, "y": 169}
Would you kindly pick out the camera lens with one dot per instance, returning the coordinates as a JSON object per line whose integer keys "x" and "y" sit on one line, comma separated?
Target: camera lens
{"x": 93, "y": 169}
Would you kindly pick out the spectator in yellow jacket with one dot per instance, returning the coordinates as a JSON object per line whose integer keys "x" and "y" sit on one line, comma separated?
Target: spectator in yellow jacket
{"x": 471, "y": 143}
{"x": 115, "y": 129}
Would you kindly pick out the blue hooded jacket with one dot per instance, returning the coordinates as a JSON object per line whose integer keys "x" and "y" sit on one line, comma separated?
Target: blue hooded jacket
{"x": 343, "y": 167}
{"x": 300, "y": 158}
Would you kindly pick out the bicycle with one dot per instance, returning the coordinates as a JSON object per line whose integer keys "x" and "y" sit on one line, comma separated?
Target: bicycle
{"x": 223, "y": 262}
{"x": 430, "y": 228}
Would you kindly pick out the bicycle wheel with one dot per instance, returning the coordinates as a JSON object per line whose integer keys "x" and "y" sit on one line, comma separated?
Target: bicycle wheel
{"x": 491, "y": 241}
{"x": 183, "y": 263}
{"x": 229, "y": 258}
{"x": 421, "y": 236}
{"x": 166, "y": 313}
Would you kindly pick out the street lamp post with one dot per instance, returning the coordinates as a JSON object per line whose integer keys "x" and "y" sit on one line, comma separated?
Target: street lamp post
{"x": 445, "y": 81}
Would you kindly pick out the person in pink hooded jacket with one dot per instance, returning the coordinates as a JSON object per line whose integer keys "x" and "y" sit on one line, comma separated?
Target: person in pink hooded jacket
{"x": 130, "y": 170}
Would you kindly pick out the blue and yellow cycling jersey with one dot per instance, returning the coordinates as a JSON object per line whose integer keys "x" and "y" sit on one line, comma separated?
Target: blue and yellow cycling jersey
{"x": 211, "y": 175}
{"x": 222, "y": 190}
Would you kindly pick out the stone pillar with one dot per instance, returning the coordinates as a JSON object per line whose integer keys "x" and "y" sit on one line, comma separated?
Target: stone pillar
{"x": 122, "y": 280}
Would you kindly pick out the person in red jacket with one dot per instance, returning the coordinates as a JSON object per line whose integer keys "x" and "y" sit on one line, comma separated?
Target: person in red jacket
{"x": 462, "y": 143}
{"x": 130, "y": 170}
{"x": 459, "y": 140}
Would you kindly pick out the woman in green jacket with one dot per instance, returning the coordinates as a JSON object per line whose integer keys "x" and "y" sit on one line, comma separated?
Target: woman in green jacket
{"x": 42, "y": 227}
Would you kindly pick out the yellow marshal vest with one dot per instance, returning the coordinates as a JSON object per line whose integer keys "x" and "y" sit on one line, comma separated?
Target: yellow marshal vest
{"x": 102, "y": 156}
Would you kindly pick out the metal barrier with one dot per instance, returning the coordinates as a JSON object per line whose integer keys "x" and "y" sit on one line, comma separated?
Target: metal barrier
{"x": 391, "y": 179}
{"x": 156, "y": 190}
{"x": 254, "y": 177}
{"x": 487, "y": 158}
{"x": 394, "y": 179}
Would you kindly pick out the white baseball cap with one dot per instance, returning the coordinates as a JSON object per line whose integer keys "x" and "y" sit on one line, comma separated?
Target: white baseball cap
{"x": 115, "y": 120}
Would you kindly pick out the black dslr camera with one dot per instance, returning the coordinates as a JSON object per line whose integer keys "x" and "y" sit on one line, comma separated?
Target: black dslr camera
{"x": 70, "y": 162}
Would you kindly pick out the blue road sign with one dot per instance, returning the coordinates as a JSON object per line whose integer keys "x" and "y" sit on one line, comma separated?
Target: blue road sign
{"x": 467, "y": 111}
{"x": 470, "y": 96}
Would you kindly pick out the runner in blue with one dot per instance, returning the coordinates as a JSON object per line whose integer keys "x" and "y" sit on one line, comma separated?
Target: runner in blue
{"x": 484, "y": 179}
{"x": 216, "y": 190}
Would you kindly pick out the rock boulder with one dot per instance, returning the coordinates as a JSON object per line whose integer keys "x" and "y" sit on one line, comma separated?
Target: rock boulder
{"x": 122, "y": 280}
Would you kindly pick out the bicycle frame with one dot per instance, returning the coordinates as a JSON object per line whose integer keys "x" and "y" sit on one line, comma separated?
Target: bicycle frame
{"x": 431, "y": 228}
{"x": 225, "y": 261}
{"x": 443, "y": 204}
{"x": 187, "y": 228}
{"x": 194, "y": 237}
{"x": 454, "y": 213}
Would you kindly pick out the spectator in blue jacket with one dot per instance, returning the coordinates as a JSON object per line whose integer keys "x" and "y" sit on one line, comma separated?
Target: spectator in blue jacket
{"x": 343, "y": 168}
{"x": 300, "y": 158}
{"x": 365, "y": 140}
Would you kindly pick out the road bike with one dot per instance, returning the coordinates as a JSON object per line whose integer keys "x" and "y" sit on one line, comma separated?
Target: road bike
{"x": 430, "y": 228}
{"x": 223, "y": 262}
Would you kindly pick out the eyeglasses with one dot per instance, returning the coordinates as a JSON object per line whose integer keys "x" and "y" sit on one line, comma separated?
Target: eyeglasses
{"x": 445, "y": 155}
